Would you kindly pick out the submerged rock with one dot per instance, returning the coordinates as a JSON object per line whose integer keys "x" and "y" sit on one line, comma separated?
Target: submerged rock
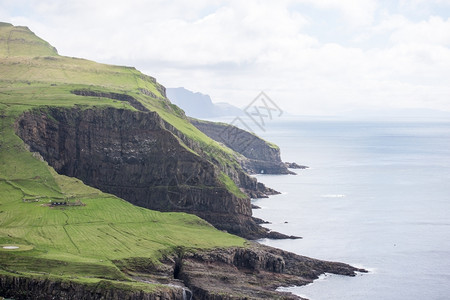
{"x": 294, "y": 165}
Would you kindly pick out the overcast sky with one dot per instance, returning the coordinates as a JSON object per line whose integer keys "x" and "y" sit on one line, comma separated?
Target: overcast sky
{"x": 309, "y": 56}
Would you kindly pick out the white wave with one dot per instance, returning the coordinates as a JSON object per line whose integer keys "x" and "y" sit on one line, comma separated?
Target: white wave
{"x": 333, "y": 196}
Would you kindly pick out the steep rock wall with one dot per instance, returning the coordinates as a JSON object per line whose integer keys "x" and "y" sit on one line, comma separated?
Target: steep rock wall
{"x": 23, "y": 288}
{"x": 132, "y": 155}
{"x": 248, "y": 184}
{"x": 259, "y": 155}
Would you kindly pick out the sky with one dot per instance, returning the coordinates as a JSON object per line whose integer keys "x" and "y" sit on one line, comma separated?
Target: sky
{"x": 311, "y": 57}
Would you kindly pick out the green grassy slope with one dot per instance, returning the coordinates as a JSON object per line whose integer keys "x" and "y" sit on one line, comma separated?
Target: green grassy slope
{"x": 79, "y": 243}
{"x": 19, "y": 40}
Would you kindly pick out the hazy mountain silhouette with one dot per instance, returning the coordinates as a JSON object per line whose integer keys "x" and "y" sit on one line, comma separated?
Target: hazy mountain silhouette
{"x": 199, "y": 105}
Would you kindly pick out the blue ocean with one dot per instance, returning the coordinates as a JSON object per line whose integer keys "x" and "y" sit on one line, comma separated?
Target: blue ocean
{"x": 376, "y": 195}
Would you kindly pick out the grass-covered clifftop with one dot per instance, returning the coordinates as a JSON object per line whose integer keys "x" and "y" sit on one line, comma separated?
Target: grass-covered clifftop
{"x": 82, "y": 243}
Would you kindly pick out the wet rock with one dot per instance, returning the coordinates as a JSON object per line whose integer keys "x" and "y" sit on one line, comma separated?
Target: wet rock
{"x": 294, "y": 165}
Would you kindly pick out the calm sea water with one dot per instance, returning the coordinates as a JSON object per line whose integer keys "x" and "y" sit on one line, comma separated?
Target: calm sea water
{"x": 377, "y": 195}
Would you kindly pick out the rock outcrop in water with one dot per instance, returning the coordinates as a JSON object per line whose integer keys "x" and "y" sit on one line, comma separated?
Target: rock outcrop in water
{"x": 294, "y": 165}
{"x": 135, "y": 156}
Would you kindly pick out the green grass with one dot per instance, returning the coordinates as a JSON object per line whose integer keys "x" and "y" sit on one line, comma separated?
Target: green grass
{"x": 81, "y": 243}
{"x": 230, "y": 185}
{"x": 20, "y": 41}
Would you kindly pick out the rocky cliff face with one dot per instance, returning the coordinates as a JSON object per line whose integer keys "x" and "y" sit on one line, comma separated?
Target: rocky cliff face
{"x": 23, "y": 288}
{"x": 259, "y": 155}
{"x": 134, "y": 156}
{"x": 254, "y": 272}
{"x": 248, "y": 184}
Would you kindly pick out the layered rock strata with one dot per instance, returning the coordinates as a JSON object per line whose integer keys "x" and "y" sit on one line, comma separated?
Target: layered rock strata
{"x": 134, "y": 156}
{"x": 25, "y": 288}
{"x": 254, "y": 272}
{"x": 259, "y": 156}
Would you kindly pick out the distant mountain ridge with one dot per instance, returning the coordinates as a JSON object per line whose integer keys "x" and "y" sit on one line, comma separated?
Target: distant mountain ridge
{"x": 200, "y": 105}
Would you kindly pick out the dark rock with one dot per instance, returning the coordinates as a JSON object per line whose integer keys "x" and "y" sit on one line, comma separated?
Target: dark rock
{"x": 253, "y": 272}
{"x": 279, "y": 236}
{"x": 294, "y": 165}
{"x": 260, "y": 221}
{"x": 19, "y": 287}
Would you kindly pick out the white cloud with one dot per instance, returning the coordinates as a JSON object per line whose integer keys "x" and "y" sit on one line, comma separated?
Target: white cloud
{"x": 234, "y": 49}
{"x": 356, "y": 12}
{"x": 434, "y": 31}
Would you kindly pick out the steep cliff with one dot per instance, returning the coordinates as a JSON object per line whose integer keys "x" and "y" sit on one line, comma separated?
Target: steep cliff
{"x": 259, "y": 156}
{"x": 134, "y": 156}
{"x": 228, "y": 163}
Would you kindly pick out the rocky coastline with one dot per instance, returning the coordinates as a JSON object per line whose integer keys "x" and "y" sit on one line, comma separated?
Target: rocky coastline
{"x": 89, "y": 145}
{"x": 65, "y": 139}
{"x": 252, "y": 272}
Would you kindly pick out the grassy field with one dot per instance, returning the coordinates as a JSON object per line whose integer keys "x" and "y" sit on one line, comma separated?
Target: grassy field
{"x": 80, "y": 243}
